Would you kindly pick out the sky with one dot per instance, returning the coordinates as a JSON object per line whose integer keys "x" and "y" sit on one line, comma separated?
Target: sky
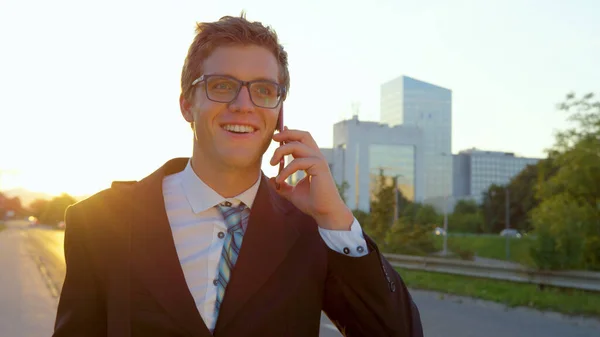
{"x": 89, "y": 89}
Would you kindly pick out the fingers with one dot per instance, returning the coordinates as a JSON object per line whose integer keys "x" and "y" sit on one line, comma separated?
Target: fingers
{"x": 303, "y": 137}
{"x": 296, "y": 149}
{"x": 311, "y": 165}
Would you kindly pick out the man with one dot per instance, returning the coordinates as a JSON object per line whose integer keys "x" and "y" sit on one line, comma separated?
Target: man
{"x": 208, "y": 244}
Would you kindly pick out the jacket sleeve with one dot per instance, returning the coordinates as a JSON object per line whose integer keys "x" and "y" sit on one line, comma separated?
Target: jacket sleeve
{"x": 365, "y": 296}
{"x": 81, "y": 309}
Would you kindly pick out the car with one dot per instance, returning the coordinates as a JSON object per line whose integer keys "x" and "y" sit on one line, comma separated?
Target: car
{"x": 510, "y": 232}
{"x": 33, "y": 221}
{"x": 439, "y": 231}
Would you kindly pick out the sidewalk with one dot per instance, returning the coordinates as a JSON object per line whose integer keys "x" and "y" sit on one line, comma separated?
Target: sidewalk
{"x": 27, "y": 307}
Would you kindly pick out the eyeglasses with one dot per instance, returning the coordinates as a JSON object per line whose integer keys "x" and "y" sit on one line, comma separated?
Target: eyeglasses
{"x": 224, "y": 89}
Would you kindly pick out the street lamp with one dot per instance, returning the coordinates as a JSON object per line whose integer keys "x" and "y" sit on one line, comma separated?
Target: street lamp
{"x": 445, "y": 250}
{"x": 446, "y": 197}
{"x": 396, "y": 197}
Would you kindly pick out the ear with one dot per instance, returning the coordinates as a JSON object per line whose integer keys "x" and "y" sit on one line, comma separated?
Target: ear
{"x": 186, "y": 109}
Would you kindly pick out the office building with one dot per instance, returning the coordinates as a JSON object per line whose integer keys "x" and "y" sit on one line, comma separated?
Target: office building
{"x": 412, "y": 103}
{"x": 476, "y": 170}
{"x": 361, "y": 149}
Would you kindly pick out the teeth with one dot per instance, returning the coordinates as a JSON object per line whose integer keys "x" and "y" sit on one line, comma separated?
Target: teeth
{"x": 239, "y": 128}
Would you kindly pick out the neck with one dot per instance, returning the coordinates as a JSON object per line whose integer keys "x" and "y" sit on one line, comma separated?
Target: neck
{"x": 226, "y": 180}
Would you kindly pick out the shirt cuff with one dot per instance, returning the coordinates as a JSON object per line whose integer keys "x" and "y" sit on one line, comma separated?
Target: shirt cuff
{"x": 350, "y": 243}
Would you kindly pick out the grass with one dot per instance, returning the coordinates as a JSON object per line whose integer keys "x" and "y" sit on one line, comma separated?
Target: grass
{"x": 492, "y": 247}
{"x": 566, "y": 301}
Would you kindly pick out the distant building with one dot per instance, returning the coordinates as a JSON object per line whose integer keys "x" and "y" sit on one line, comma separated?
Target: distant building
{"x": 476, "y": 170}
{"x": 361, "y": 149}
{"x": 412, "y": 103}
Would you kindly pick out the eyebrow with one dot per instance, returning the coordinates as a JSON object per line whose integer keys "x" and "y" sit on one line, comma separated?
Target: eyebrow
{"x": 260, "y": 78}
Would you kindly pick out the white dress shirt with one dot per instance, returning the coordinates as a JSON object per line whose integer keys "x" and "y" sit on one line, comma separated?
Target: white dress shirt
{"x": 198, "y": 230}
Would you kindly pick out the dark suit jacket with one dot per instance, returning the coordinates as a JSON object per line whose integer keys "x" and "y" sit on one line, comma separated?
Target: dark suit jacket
{"x": 124, "y": 277}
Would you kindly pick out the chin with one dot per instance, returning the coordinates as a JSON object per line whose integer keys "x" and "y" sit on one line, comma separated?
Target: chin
{"x": 241, "y": 161}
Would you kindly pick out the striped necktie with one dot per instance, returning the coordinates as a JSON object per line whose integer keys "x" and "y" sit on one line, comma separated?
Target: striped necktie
{"x": 234, "y": 217}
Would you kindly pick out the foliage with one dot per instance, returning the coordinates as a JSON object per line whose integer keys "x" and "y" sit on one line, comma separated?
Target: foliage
{"x": 466, "y": 207}
{"x": 411, "y": 233}
{"x": 522, "y": 195}
{"x": 362, "y": 217}
{"x": 466, "y": 218}
{"x": 382, "y": 210}
{"x": 494, "y": 209}
{"x": 342, "y": 188}
{"x": 55, "y": 210}
{"x": 522, "y": 198}
{"x": 421, "y": 214}
{"x": 567, "y": 220}
{"x": 38, "y": 206}
{"x": 410, "y": 238}
{"x": 11, "y": 204}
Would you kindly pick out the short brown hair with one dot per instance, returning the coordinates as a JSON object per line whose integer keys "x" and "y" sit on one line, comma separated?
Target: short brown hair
{"x": 230, "y": 30}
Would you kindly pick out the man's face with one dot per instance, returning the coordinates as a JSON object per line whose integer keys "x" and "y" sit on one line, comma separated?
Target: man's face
{"x": 221, "y": 129}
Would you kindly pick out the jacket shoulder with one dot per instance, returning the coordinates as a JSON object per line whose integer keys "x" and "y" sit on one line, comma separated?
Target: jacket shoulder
{"x": 107, "y": 204}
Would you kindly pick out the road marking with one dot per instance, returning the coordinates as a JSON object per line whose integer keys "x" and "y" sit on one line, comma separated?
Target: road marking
{"x": 42, "y": 267}
{"x": 46, "y": 276}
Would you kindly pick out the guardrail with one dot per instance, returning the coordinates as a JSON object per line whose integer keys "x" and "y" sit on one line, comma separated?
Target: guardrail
{"x": 583, "y": 280}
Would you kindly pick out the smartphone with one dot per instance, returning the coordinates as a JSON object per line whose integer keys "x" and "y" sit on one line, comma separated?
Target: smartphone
{"x": 280, "y": 128}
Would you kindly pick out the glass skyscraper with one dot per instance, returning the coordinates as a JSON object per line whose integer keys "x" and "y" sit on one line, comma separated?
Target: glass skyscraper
{"x": 410, "y": 102}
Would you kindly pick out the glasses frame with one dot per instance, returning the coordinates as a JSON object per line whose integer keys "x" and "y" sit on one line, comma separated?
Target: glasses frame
{"x": 281, "y": 92}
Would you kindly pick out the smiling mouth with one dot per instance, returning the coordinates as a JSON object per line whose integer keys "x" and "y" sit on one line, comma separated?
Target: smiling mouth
{"x": 240, "y": 129}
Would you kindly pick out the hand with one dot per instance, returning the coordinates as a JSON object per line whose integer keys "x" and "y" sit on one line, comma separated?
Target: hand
{"x": 316, "y": 194}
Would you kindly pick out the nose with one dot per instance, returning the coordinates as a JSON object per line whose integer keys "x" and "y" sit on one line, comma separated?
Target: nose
{"x": 242, "y": 102}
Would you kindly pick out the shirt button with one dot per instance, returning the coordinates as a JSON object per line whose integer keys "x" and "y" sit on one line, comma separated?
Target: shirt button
{"x": 227, "y": 204}
{"x": 346, "y": 250}
{"x": 221, "y": 235}
{"x": 215, "y": 282}
{"x": 360, "y": 249}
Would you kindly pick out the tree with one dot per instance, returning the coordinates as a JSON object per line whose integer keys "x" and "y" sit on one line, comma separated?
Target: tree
{"x": 427, "y": 216}
{"x": 38, "y": 207}
{"x": 407, "y": 238}
{"x": 382, "y": 209}
{"x": 567, "y": 219}
{"x": 522, "y": 197}
{"x": 363, "y": 218}
{"x": 522, "y": 189}
{"x": 10, "y": 204}
{"x": 466, "y": 207}
{"x": 342, "y": 188}
{"x": 55, "y": 211}
{"x": 466, "y": 218}
{"x": 494, "y": 209}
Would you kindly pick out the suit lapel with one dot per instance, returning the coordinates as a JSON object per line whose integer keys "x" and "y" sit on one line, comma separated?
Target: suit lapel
{"x": 267, "y": 240}
{"x": 155, "y": 258}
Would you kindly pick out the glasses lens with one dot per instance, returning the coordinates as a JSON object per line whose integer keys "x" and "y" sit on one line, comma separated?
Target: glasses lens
{"x": 265, "y": 94}
{"x": 221, "y": 89}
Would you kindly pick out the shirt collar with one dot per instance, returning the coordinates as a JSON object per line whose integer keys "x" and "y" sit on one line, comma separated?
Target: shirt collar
{"x": 201, "y": 197}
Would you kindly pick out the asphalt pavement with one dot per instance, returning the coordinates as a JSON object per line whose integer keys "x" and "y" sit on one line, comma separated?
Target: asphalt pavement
{"x": 33, "y": 268}
{"x": 27, "y": 308}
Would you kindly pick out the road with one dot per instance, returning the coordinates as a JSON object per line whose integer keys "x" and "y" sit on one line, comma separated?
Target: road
{"x": 442, "y": 315}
